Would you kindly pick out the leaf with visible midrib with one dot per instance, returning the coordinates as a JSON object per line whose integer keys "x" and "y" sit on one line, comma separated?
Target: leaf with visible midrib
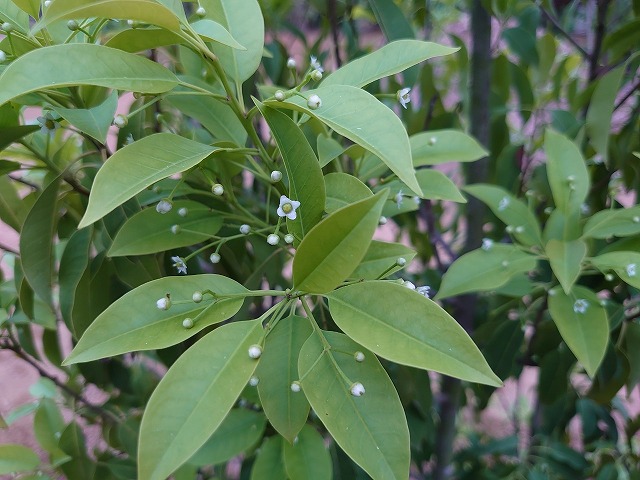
{"x": 566, "y": 260}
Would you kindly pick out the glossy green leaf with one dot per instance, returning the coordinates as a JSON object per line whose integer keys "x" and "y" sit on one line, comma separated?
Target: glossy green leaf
{"x": 343, "y": 189}
{"x": 625, "y": 264}
{"x": 269, "y": 464}
{"x": 435, "y": 185}
{"x": 32, "y": 7}
{"x": 17, "y": 458}
{"x": 48, "y": 425}
{"x": 381, "y": 257}
{"x": 8, "y": 135}
{"x": 583, "y": 324}
{"x": 511, "y": 211}
{"x": 194, "y": 397}
{"x": 361, "y": 118}
{"x": 139, "y": 39}
{"x": 210, "y": 30}
{"x": 149, "y": 231}
{"x": 307, "y": 458}
{"x": 441, "y": 146}
{"x": 72, "y": 442}
{"x": 243, "y": 20}
{"x": 36, "y": 241}
{"x": 9, "y": 12}
{"x": 485, "y": 270}
{"x": 287, "y": 411}
{"x": 598, "y": 120}
{"x": 13, "y": 210}
{"x": 95, "y": 121}
{"x": 134, "y": 323}
{"x": 328, "y": 149}
{"x": 335, "y": 246}
{"x": 83, "y": 64}
{"x": 621, "y": 41}
{"x": 423, "y": 336}
{"x": 567, "y": 172}
{"x": 239, "y": 431}
{"x": 378, "y": 442}
{"x": 623, "y": 222}
{"x": 566, "y": 261}
{"x": 139, "y": 165}
{"x": 306, "y": 184}
{"x": 73, "y": 265}
{"x": 388, "y": 60}
{"x": 146, "y": 11}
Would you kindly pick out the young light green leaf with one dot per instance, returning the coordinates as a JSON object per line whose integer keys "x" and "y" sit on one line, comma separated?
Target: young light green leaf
{"x": 9, "y": 12}
{"x": 625, "y": 264}
{"x": 17, "y": 458}
{"x": 83, "y": 64}
{"x": 146, "y": 11}
{"x": 441, "y": 146}
{"x": 566, "y": 261}
{"x": 210, "y": 30}
{"x": 48, "y": 424}
{"x": 388, "y": 60}
{"x": 336, "y": 245}
{"x": 423, "y": 336}
{"x": 286, "y": 410}
{"x": 194, "y": 397}
{"x": 357, "y": 115}
{"x": 13, "y": 210}
{"x": 328, "y": 149}
{"x": 269, "y": 464}
{"x": 141, "y": 39}
{"x": 379, "y": 443}
{"x": 307, "y": 457}
{"x": 306, "y": 184}
{"x": 567, "y": 173}
{"x": 343, "y": 189}
{"x": 483, "y": 270}
{"x": 381, "y": 257}
{"x": 243, "y": 20}
{"x": 434, "y": 184}
{"x": 510, "y": 210}
{"x": 137, "y": 166}
{"x": 95, "y": 121}
{"x": 622, "y": 222}
{"x": 73, "y": 443}
{"x": 150, "y": 232}
{"x": 600, "y": 110}
{"x": 239, "y": 431}
{"x": 133, "y": 322}
{"x": 583, "y": 324}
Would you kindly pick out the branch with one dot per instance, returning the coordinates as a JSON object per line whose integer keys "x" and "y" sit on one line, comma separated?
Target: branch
{"x": 603, "y": 6}
{"x": 634, "y": 88}
{"x": 563, "y": 32}
{"x": 333, "y": 21}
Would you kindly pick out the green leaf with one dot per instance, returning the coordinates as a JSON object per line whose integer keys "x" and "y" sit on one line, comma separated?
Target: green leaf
{"x": 566, "y": 261}
{"x": 583, "y": 324}
{"x": 9, "y": 12}
{"x": 623, "y": 222}
{"x": 95, "y": 121}
{"x": 343, "y": 189}
{"x": 210, "y": 30}
{"x": 48, "y": 425}
{"x": 306, "y": 184}
{"x": 392, "y": 21}
{"x": 378, "y": 442}
{"x": 632, "y": 340}
{"x": 194, "y": 397}
{"x": 32, "y": 7}
{"x": 36, "y": 241}
{"x": 442, "y": 146}
{"x": 72, "y": 442}
{"x": 511, "y": 211}
{"x": 140, "y": 39}
{"x": 239, "y": 431}
{"x": 380, "y": 257}
{"x": 83, "y": 64}
{"x": 8, "y": 135}
{"x": 328, "y": 149}
{"x": 625, "y": 264}
{"x": 484, "y": 270}
{"x": 269, "y": 464}
{"x": 73, "y": 265}
{"x": 13, "y": 210}
{"x": 567, "y": 173}
{"x": 16, "y": 458}
{"x": 287, "y": 411}
{"x": 150, "y": 232}
{"x": 423, "y": 336}
{"x": 243, "y": 20}
{"x": 139, "y": 165}
{"x": 600, "y": 111}
{"x": 146, "y": 11}
{"x": 307, "y": 458}
{"x": 133, "y": 322}
{"x": 388, "y": 60}
{"x": 335, "y": 246}
{"x": 361, "y": 118}
{"x": 435, "y": 185}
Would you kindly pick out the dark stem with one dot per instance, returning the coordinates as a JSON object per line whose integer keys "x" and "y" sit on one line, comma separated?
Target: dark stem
{"x": 563, "y": 32}
{"x": 634, "y": 89}
{"x": 594, "y": 58}
{"x": 333, "y": 22}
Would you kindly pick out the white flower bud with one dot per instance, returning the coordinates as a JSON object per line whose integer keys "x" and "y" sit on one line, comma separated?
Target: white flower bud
{"x": 163, "y": 303}
{"x": 187, "y": 323}
{"x": 424, "y": 290}
{"x": 504, "y": 264}
{"x": 120, "y": 121}
{"x": 382, "y": 221}
{"x": 509, "y": 229}
{"x": 548, "y": 210}
{"x": 47, "y": 3}
{"x": 357, "y": 389}
{"x": 359, "y": 356}
{"x": 314, "y": 102}
{"x": 608, "y": 277}
{"x": 217, "y": 189}
{"x": 197, "y": 296}
{"x": 487, "y": 243}
{"x": 254, "y": 381}
{"x": 214, "y": 258}
{"x": 636, "y": 219}
{"x": 291, "y": 63}
{"x": 409, "y": 285}
{"x": 580, "y": 305}
{"x": 276, "y": 176}
{"x": 255, "y": 351}
{"x": 183, "y": 212}
{"x": 279, "y": 95}
{"x": 164, "y": 206}
{"x": 176, "y": 229}
{"x": 273, "y": 239}
{"x": 401, "y": 261}
{"x": 7, "y": 27}
{"x": 296, "y": 387}
{"x": 3, "y": 56}
{"x": 519, "y": 229}
{"x": 316, "y": 75}
{"x": 201, "y": 12}
{"x": 571, "y": 178}
{"x": 245, "y": 229}
{"x": 288, "y": 238}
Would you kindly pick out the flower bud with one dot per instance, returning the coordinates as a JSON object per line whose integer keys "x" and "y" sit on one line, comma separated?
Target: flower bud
{"x": 288, "y": 238}
{"x": 164, "y": 206}
{"x": 197, "y": 296}
{"x": 217, "y": 189}
{"x": 316, "y": 75}
{"x": 273, "y": 239}
{"x": 401, "y": 261}
{"x": 3, "y": 57}
{"x": 255, "y": 351}
{"x": 245, "y": 229}
{"x": 214, "y": 258}
{"x": 608, "y": 277}
{"x": 383, "y": 220}
{"x": 7, "y": 27}
{"x": 133, "y": 23}
{"x": 72, "y": 25}
{"x": 201, "y": 12}
{"x": 279, "y": 95}
{"x": 183, "y": 212}
{"x": 357, "y": 389}
{"x": 176, "y": 229}
{"x": 409, "y": 285}
{"x": 296, "y": 387}
{"x": 314, "y": 102}
{"x": 359, "y": 356}
{"x": 120, "y": 121}
{"x": 291, "y": 63}
{"x": 163, "y": 303}
{"x": 276, "y": 176}
{"x": 187, "y": 323}
{"x": 254, "y": 381}
{"x": 47, "y": 3}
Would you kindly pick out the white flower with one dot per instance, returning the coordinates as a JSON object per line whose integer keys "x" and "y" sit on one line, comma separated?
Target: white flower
{"x": 254, "y": 381}
{"x": 403, "y": 97}
{"x": 217, "y": 189}
{"x": 47, "y": 3}
{"x": 357, "y": 389}
{"x": 287, "y": 208}
{"x": 295, "y": 387}
{"x": 214, "y": 258}
{"x": 417, "y": 200}
{"x": 3, "y": 56}
{"x": 398, "y": 198}
{"x": 183, "y": 212}
{"x": 179, "y": 264}
{"x": 201, "y": 12}
{"x": 631, "y": 269}
{"x": 288, "y": 238}
{"x": 291, "y": 63}
{"x": 273, "y": 239}
{"x": 409, "y": 285}
{"x": 163, "y": 303}
{"x": 432, "y": 141}
{"x": 359, "y": 356}
{"x": 425, "y": 290}
{"x": 487, "y": 243}
{"x": 276, "y": 176}
{"x": 47, "y": 123}
{"x": 519, "y": 229}
{"x": 120, "y": 121}
{"x": 580, "y": 305}
{"x": 187, "y": 323}
{"x": 197, "y": 296}
{"x": 129, "y": 140}
{"x": 314, "y": 102}
{"x": 315, "y": 64}
{"x": 504, "y": 203}
{"x": 245, "y": 229}
{"x": 255, "y": 351}
{"x": 164, "y": 206}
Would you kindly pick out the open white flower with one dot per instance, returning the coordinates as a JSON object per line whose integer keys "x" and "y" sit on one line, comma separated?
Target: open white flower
{"x": 47, "y": 123}
{"x": 287, "y": 208}
{"x": 398, "y": 198}
{"x": 580, "y": 305}
{"x": 631, "y": 269}
{"x": 424, "y": 290}
{"x": 180, "y": 264}
{"x": 315, "y": 64}
{"x": 403, "y": 97}
{"x": 487, "y": 243}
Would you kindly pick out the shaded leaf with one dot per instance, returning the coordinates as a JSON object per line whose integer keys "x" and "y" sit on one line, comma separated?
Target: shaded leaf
{"x": 307, "y": 458}
{"x": 622, "y": 222}
{"x": 95, "y": 121}
{"x": 269, "y": 464}
{"x": 625, "y": 264}
{"x": 566, "y": 261}
{"x": 17, "y": 458}
{"x": 210, "y": 30}
{"x": 343, "y": 189}
{"x": 441, "y": 146}
{"x": 380, "y": 257}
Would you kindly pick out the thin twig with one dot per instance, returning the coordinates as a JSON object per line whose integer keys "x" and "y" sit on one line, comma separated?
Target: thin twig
{"x": 563, "y": 32}
{"x": 634, "y": 89}
{"x": 333, "y": 21}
